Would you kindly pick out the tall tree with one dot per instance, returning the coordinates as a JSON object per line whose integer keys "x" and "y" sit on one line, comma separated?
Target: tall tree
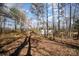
{"x": 38, "y": 10}
{"x": 53, "y": 24}
{"x": 14, "y": 13}
{"x": 47, "y": 18}
{"x": 3, "y": 13}
{"x": 58, "y": 17}
{"x": 19, "y": 17}
{"x": 70, "y": 20}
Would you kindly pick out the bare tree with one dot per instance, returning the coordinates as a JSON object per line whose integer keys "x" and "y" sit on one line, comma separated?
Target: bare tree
{"x": 38, "y": 11}
{"x": 47, "y": 18}
{"x": 53, "y": 24}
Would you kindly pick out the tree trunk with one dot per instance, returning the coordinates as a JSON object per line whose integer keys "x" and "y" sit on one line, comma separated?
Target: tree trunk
{"x": 4, "y": 25}
{"x": 47, "y": 18}
{"x": 15, "y": 25}
{"x": 53, "y": 29}
{"x": 21, "y": 27}
{"x": 0, "y": 24}
{"x": 74, "y": 16}
{"x": 58, "y": 19}
{"x": 78, "y": 35}
{"x": 70, "y": 23}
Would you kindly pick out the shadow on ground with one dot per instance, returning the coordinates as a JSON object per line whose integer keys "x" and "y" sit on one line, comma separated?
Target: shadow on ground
{"x": 17, "y": 51}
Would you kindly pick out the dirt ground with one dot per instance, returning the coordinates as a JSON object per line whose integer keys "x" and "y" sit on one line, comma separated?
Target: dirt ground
{"x": 39, "y": 47}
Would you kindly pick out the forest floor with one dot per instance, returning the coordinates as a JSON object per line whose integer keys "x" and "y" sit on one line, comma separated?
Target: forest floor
{"x": 40, "y": 46}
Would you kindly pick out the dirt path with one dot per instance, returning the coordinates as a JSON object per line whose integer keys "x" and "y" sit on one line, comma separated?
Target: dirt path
{"x": 41, "y": 48}
{"x": 47, "y": 47}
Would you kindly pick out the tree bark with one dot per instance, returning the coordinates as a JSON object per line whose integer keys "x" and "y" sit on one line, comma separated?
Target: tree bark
{"x": 70, "y": 23}
{"x": 15, "y": 25}
{"x": 47, "y": 18}
{"x": 58, "y": 19}
{"x": 53, "y": 29}
{"x": 0, "y": 24}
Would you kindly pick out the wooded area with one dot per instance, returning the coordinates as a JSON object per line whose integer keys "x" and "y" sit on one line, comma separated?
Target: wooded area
{"x": 56, "y": 31}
